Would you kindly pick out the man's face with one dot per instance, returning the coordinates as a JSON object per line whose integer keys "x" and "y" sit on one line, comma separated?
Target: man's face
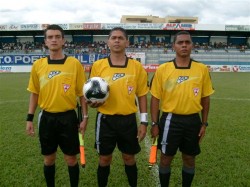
{"x": 54, "y": 40}
{"x": 183, "y": 45}
{"x": 117, "y": 42}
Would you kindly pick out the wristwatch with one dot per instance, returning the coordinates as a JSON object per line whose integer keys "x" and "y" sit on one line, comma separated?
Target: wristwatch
{"x": 205, "y": 123}
{"x": 154, "y": 123}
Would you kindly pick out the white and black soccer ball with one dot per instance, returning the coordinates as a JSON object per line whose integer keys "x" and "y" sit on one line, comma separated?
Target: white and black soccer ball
{"x": 96, "y": 89}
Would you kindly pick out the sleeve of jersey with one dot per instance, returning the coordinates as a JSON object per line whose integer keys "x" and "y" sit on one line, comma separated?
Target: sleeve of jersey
{"x": 81, "y": 79}
{"x": 34, "y": 85}
{"x": 207, "y": 84}
{"x": 142, "y": 82}
{"x": 155, "y": 86}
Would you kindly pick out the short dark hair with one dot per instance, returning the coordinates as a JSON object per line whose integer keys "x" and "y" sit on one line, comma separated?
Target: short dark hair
{"x": 181, "y": 33}
{"x": 54, "y": 27}
{"x": 119, "y": 29}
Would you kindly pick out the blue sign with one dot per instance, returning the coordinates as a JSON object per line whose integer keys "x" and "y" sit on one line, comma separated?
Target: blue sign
{"x": 29, "y": 59}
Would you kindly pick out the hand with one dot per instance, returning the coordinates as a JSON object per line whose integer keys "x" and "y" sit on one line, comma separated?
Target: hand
{"x": 202, "y": 133}
{"x": 30, "y": 128}
{"x": 154, "y": 131}
{"x": 94, "y": 104}
{"x": 142, "y": 131}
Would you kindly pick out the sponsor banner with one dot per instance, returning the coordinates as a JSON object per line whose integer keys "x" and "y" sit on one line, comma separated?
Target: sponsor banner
{"x": 18, "y": 59}
{"x": 229, "y": 68}
{"x": 133, "y": 26}
{"x": 87, "y": 67}
{"x": 90, "y": 58}
{"x": 83, "y": 58}
{"x": 151, "y": 67}
{"x": 25, "y": 27}
{"x": 237, "y": 27}
{"x": 128, "y": 26}
{"x": 13, "y": 27}
{"x": 178, "y": 26}
{"x": 92, "y": 26}
{"x": 241, "y": 68}
{"x": 148, "y": 68}
{"x": 209, "y": 27}
{"x": 219, "y": 68}
{"x": 64, "y": 26}
{"x": 44, "y": 26}
{"x": 29, "y": 59}
{"x": 5, "y": 69}
{"x": 138, "y": 56}
{"x": 3, "y": 27}
{"x": 76, "y": 26}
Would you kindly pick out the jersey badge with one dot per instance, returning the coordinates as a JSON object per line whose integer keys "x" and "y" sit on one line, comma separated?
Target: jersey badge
{"x": 130, "y": 89}
{"x": 53, "y": 73}
{"x": 117, "y": 76}
{"x": 196, "y": 91}
{"x": 66, "y": 87}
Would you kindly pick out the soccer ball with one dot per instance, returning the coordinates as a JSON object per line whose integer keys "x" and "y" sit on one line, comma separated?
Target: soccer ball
{"x": 96, "y": 89}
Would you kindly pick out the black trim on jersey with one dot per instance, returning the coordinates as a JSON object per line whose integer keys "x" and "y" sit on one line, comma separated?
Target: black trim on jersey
{"x": 60, "y": 61}
{"x": 188, "y": 67}
{"x": 123, "y": 66}
{"x": 151, "y": 81}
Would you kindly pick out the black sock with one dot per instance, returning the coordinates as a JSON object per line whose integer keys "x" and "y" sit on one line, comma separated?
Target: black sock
{"x": 102, "y": 175}
{"x": 164, "y": 175}
{"x": 187, "y": 176}
{"x": 131, "y": 172}
{"x": 74, "y": 175}
{"x": 49, "y": 174}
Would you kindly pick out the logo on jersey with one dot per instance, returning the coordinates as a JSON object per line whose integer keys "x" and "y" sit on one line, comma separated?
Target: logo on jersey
{"x": 53, "y": 73}
{"x": 196, "y": 91}
{"x": 118, "y": 76}
{"x": 66, "y": 87}
{"x": 182, "y": 79}
{"x": 130, "y": 89}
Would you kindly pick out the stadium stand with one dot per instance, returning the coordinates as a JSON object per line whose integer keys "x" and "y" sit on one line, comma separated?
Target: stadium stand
{"x": 223, "y": 47}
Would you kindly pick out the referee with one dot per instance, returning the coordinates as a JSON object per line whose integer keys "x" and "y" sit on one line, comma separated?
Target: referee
{"x": 55, "y": 83}
{"x": 181, "y": 88}
{"x": 116, "y": 118}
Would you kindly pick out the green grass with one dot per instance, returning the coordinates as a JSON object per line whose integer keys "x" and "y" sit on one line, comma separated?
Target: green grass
{"x": 224, "y": 161}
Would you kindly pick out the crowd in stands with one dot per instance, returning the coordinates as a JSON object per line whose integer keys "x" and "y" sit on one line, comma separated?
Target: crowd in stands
{"x": 101, "y": 47}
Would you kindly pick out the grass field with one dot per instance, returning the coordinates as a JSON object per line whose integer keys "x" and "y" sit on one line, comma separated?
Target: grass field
{"x": 224, "y": 161}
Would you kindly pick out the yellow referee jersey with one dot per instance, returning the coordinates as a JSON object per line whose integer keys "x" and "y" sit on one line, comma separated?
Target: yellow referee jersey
{"x": 57, "y": 85}
{"x": 125, "y": 83}
{"x": 180, "y": 89}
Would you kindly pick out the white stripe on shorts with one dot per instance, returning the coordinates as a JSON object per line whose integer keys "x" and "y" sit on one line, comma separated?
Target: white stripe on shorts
{"x": 165, "y": 133}
{"x": 39, "y": 119}
{"x": 97, "y": 140}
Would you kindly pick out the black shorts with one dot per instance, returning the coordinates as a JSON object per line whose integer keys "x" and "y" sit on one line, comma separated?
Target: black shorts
{"x": 58, "y": 129}
{"x": 179, "y": 132}
{"x": 120, "y": 130}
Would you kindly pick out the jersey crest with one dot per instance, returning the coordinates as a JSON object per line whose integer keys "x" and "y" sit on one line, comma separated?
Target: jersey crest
{"x": 130, "y": 89}
{"x": 196, "y": 91}
{"x": 66, "y": 87}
